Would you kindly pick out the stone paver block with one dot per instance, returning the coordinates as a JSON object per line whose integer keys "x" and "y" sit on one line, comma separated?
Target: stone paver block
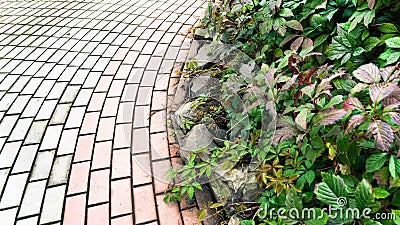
{"x": 75, "y": 210}
{"x": 102, "y": 155}
{"x": 53, "y": 204}
{"x": 84, "y": 148}
{"x": 9, "y": 154}
{"x": 98, "y": 215}
{"x": 79, "y": 178}
{"x": 25, "y": 159}
{"x": 43, "y": 163}
{"x": 13, "y": 190}
{"x": 32, "y": 200}
{"x": 60, "y": 170}
{"x": 99, "y": 186}
{"x": 121, "y": 197}
{"x": 144, "y": 204}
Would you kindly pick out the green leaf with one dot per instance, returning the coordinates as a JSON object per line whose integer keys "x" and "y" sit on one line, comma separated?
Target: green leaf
{"x": 369, "y": 16}
{"x": 201, "y": 214}
{"x": 293, "y": 201}
{"x": 285, "y": 12}
{"x": 197, "y": 186}
{"x": 394, "y": 167}
{"x": 388, "y": 28}
{"x": 375, "y": 162}
{"x": 386, "y": 54}
{"x": 331, "y": 188}
{"x": 393, "y": 42}
{"x": 317, "y": 21}
{"x": 320, "y": 39}
{"x": 363, "y": 194}
{"x": 380, "y": 193}
{"x": 334, "y": 101}
{"x": 216, "y": 205}
{"x": 309, "y": 90}
{"x": 382, "y": 176}
{"x": 396, "y": 220}
{"x": 310, "y": 176}
{"x": 279, "y": 26}
{"x": 190, "y": 192}
{"x": 371, "y": 43}
{"x": 393, "y": 58}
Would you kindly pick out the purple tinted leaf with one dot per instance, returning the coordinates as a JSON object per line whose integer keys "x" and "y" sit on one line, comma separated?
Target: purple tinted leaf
{"x": 307, "y": 43}
{"x": 329, "y": 116}
{"x": 269, "y": 76}
{"x": 283, "y": 134}
{"x": 381, "y": 176}
{"x": 296, "y": 43}
{"x": 393, "y": 98}
{"x": 395, "y": 117}
{"x": 352, "y": 103}
{"x": 378, "y": 92}
{"x": 287, "y": 39}
{"x": 294, "y": 24}
{"x": 301, "y": 118}
{"x": 371, "y": 3}
{"x": 368, "y": 73}
{"x": 354, "y": 121}
{"x": 389, "y": 73}
{"x": 382, "y": 133}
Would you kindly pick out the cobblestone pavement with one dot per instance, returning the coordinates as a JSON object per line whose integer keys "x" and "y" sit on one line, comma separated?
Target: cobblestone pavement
{"x": 84, "y": 89}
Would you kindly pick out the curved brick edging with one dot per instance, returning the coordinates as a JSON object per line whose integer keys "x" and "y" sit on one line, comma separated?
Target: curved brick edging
{"x": 84, "y": 87}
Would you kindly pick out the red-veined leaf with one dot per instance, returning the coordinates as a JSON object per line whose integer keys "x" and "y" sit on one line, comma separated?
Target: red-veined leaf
{"x": 352, "y": 103}
{"x": 329, "y": 116}
{"x": 368, "y": 73}
{"x": 378, "y": 92}
{"x": 296, "y": 43}
{"x": 393, "y": 98}
{"x": 395, "y": 117}
{"x": 382, "y": 133}
{"x": 389, "y": 73}
{"x": 371, "y": 3}
{"x": 359, "y": 87}
{"x": 301, "y": 118}
{"x": 307, "y": 43}
{"x": 353, "y": 122}
{"x": 294, "y": 24}
{"x": 269, "y": 76}
{"x": 283, "y": 134}
{"x": 287, "y": 39}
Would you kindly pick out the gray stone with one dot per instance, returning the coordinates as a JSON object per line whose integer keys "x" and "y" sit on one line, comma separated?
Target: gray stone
{"x": 198, "y": 137}
{"x": 202, "y": 85}
{"x": 206, "y": 57}
{"x": 202, "y": 34}
{"x": 184, "y": 112}
{"x": 235, "y": 220}
{"x": 236, "y": 185}
{"x": 220, "y": 137}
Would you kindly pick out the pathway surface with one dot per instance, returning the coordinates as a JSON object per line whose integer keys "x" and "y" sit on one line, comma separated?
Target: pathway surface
{"x": 84, "y": 89}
